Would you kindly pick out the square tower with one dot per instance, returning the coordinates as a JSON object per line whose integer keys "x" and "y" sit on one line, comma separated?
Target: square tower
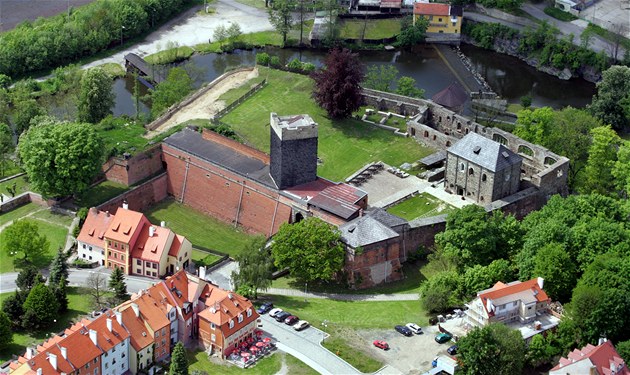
{"x": 293, "y": 149}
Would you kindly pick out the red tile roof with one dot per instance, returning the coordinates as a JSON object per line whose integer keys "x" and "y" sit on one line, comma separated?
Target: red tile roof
{"x": 94, "y": 227}
{"x": 431, "y": 9}
{"x": 140, "y": 336}
{"x": 178, "y": 240}
{"x": 151, "y": 248}
{"x": 125, "y": 224}
{"x": 310, "y": 189}
{"x": 339, "y": 199}
{"x": 223, "y": 306}
{"x": 151, "y": 312}
{"x": 106, "y": 340}
{"x": 604, "y": 357}
{"x": 500, "y": 290}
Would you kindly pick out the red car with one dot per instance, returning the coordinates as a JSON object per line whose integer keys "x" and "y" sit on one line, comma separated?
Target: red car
{"x": 381, "y": 344}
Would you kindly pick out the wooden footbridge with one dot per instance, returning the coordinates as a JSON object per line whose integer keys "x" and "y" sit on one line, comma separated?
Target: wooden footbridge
{"x": 148, "y": 74}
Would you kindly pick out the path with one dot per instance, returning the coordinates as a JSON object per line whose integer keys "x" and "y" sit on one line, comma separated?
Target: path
{"x": 344, "y": 297}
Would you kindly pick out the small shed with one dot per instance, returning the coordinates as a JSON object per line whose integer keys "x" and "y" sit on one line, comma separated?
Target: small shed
{"x": 452, "y": 97}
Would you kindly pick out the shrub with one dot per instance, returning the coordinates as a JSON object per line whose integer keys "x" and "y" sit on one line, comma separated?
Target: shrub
{"x": 295, "y": 65}
{"x": 275, "y": 61}
{"x": 308, "y": 67}
{"x": 263, "y": 59}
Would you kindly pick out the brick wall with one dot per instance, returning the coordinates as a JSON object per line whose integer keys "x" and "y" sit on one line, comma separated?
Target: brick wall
{"x": 138, "y": 167}
{"x": 140, "y": 197}
{"x": 376, "y": 264}
{"x": 209, "y": 135}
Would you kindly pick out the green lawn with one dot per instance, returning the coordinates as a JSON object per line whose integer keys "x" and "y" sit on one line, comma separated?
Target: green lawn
{"x": 113, "y": 69}
{"x": 123, "y": 136}
{"x": 78, "y": 304}
{"x": 344, "y": 146}
{"x": 374, "y": 29}
{"x": 339, "y": 344}
{"x": 49, "y": 216}
{"x": 297, "y": 367}
{"x": 559, "y": 14}
{"x": 200, "y": 229}
{"x": 170, "y": 55}
{"x": 100, "y": 193}
{"x": 201, "y": 258}
{"x": 21, "y": 184}
{"x": 8, "y": 168}
{"x": 422, "y": 205}
{"x": 19, "y": 212}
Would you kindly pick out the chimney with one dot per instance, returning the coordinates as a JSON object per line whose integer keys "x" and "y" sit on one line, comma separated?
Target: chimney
{"x": 202, "y": 272}
{"x": 125, "y": 205}
{"x": 109, "y": 324}
{"x": 163, "y": 224}
{"x": 601, "y": 340}
{"x": 93, "y": 337}
{"x": 151, "y": 231}
{"x": 53, "y": 360}
{"x": 106, "y": 213}
{"x": 136, "y": 310}
{"x": 540, "y": 282}
{"x": 29, "y": 353}
{"x": 230, "y": 296}
{"x": 118, "y": 317}
{"x": 39, "y": 371}
{"x": 64, "y": 352}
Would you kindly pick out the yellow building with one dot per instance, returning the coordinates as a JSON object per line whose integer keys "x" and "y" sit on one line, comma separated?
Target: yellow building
{"x": 443, "y": 18}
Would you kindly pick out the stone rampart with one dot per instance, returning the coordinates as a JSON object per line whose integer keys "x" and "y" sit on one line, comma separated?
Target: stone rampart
{"x": 132, "y": 169}
{"x": 140, "y": 197}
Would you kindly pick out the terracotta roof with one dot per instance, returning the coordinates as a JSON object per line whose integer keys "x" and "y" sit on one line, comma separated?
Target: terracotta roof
{"x": 81, "y": 349}
{"x": 223, "y": 306}
{"x": 501, "y": 290}
{"x": 106, "y": 339}
{"x": 604, "y": 357}
{"x": 94, "y": 227}
{"x": 125, "y": 224}
{"x": 339, "y": 199}
{"x": 431, "y": 9}
{"x": 178, "y": 240}
{"x": 151, "y": 248}
{"x": 310, "y": 189}
{"x": 151, "y": 312}
{"x": 42, "y": 361}
{"x": 139, "y": 334}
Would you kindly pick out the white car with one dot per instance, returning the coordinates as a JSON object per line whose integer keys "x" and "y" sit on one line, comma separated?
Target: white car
{"x": 414, "y": 328}
{"x": 274, "y": 312}
{"x": 301, "y": 325}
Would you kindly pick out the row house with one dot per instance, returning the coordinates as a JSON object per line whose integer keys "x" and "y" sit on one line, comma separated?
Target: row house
{"x": 443, "y": 18}
{"x": 602, "y": 359}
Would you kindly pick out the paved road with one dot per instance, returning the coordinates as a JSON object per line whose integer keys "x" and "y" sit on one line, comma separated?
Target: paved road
{"x": 344, "y": 297}
{"x": 305, "y": 346}
{"x": 484, "y": 18}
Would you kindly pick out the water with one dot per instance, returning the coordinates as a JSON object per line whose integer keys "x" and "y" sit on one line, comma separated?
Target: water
{"x": 508, "y": 76}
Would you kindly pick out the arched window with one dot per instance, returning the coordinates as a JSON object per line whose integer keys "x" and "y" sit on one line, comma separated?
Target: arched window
{"x": 471, "y": 172}
{"x": 448, "y": 143}
{"x": 426, "y": 134}
{"x": 524, "y": 150}
{"x": 459, "y": 126}
{"x": 550, "y": 161}
{"x": 499, "y": 138}
{"x": 484, "y": 177}
{"x": 462, "y": 167}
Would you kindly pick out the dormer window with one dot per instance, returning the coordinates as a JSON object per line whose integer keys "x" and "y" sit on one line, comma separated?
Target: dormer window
{"x": 249, "y": 312}
{"x": 231, "y": 323}
{"x": 240, "y": 318}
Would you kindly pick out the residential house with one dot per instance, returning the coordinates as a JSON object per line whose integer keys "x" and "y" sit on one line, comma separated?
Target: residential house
{"x": 158, "y": 325}
{"x": 443, "y": 18}
{"x": 602, "y": 359}
{"x": 227, "y": 320}
{"x": 520, "y": 305}
{"x": 91, "y": 240}
{"x": 141, "y": 339}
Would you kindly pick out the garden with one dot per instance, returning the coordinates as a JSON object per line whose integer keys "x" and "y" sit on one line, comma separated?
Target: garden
{"x": 422, "y": 205}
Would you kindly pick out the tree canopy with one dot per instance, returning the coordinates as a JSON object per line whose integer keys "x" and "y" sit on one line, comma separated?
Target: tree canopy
{"x": 494, "y": 349}
{"x": 337, "y": 85}
{"x": 22, "y": 242}
{"x": 176, "y": 86}
{"x": 311, "y": 249}
{"x": 118, "y": 286}
{"x": 61, "y": 159}
{"x": 280, "y": 16}
{"x": 58, "y": 267}
{"x": 412, "y": 33}
{"x": 179, "y": 362}
{"x": 40, "y": 308}
{"x": 602, "y": 156}
{"x": 96, "y": 97}
{"x": 255, "y": 268}
{"x": 612, "y": 102}
{"x": 6, "y": 334}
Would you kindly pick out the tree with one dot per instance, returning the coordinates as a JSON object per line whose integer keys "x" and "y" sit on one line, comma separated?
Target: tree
{"x": 96, "y": 284}
{"x": 479, "y": 277}
{"x": 176, "y": 86}
{"x": 6, "y": 145}
{"x": 12, "y": 307}
{"x": 61, "y": 159}
{"x": 380, "y": 77}
{"x": 492, "y": 350}
{"x": 118, "y": 286}
{"x": 558, "y": 269}
{"x": 255, "y": 267}
{"x": 623, "y": 348}
{"x": 407, "y": 87}
{"x": 412, "y": 32}
{"x": 337, "y": 85}
{"x": 96, "y": 97}
{"x": 311, "y": 249}
{"x": 220, "y": 33}
{"x": 621, "y": 170}
{"x": 233, "y": 32}
{"x": 25, "y": 111}
{"x": 23, "y": 238}
{"x": 6, "y": 334}
{"x": 611, "y": 104}
{"x": 602, "y": 155}
{"x": 541, "y": 349}
{"x": 179, "y": 363}
{"x": 60, "y": 290}
{"x": 281, "y": 18}
{"x": 439, "y": 292}
{"x": 58, "y": 267}
{"x": 40, "y": 308}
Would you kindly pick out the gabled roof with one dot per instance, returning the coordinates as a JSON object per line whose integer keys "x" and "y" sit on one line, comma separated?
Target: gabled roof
{"x": 527, "y": 291}
{"x": 94, "y": 227}
{"x": 106, "y": 340}
{"x": 364, "y": 231}
{"x": 603, "y": 357}
{"x": 339, "y": 199}
{"x": 223, "y": 306}
{"x": 484, "y": 152}
{"x": 125, "y": 224}
{"x": 454, "y": 96}
{"x": 151, "y": 312}
{"x": 386, "y": 218}
{"x": 151, "y": 248}
{"x": 431, "y": 9}
{"x": 140, "y": 337}
{"x": 178, "y": 240}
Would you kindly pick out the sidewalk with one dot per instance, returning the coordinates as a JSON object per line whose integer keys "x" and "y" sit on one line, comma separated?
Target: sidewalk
{"x": 343, "y": 297}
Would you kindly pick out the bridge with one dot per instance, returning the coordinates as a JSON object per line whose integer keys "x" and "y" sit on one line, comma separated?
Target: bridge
{"x": 147, "y": 73}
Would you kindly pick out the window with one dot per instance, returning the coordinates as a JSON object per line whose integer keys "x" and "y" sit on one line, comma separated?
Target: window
{"x": 109, "y": 253}
{"x": 231, "y": 324}
{"x": 163, "y": 331}
{"x": 157, "y": 333}
{"x": 115, "y": 255}
{"x": 84, "y": 255}
{"x": 84, "y": 246}
{"x": 87, "y": 365}
{"x": 154, "y": 265}
{"x": 524, "y": 150}
{"x": 499, "y": 138}
{"x": 90, "y": 248}
{"x": 462, "y": 167}
{"x": 180, "y": 259}
{"x": 139, "y": 262}
{"x": 148, "y": 273}
{"x": 90, "y": 257}
{"x": 153, "y": 274}
{"x": 213, "y": 337}
{"x": 471, "y": 172}
{"x": 163, "y": 342}
{"x": 249, "y": 312}
{"x": 240, "y": 318}
{"x": 213, "y": 326}
{"x": 95, "y": 360}
{"x": 139, "y": 271}
{"x": 122, "y": 257}
{"x": 439, "y": 20}
{"x": 114, "y": 349}
{"x": 106, "y": 365}
{"x": 483, "y": 177}
{"x": 109, "y": 264}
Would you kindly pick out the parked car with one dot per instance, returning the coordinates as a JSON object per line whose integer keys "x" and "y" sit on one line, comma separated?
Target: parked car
{"x": 265, "y": 307}
{"x": 441, "y": 338}
{"x": 280, "y": 317}
{"x": 452, "y": 350}
{"x": 381, "y": 344}
{"x": 274, "y": 312}
{"x": 403, "y": 330}
{"x": 414, "y": 328}
{"x": 302, "y": 324}
{"x": 291, "y": 320}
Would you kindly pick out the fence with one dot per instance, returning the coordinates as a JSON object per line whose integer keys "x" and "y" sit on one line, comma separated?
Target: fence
{"x": 238, "y": 101}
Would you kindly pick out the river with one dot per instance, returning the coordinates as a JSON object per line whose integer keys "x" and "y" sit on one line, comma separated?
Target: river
{"x": 508, "y": 76}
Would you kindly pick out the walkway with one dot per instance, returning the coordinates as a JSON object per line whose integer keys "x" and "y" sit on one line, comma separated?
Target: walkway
{"x": 343, "y": 297}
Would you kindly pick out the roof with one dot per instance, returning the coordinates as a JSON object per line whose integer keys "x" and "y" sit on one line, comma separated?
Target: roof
{"x": 604, "y": 357}
{"x": 484, "y": 152}
{"x": 178, "y": 240}
{"x": 339, "y": 199}
{"x": 453, "y": 96}
{"x": 81, "y": 349}
{"x": 124, "y": 225}
{"x": 431, "y": 9}
{"x": 140, "y": 337}
{"x": 435, "y": 158}
{"x": 528, "y": 291}
{"x": 364, "y": 231}
{"x": 94, "y": 227}
{"x": 106, "y": 340}
{"x": 386, "y": 218}
{"x": 391, "y": 3}
{"x": 224, "y": 306}
{"x": 457, "y": 11}
{"x": 151, "y": 312}
{"x": 310, "y": 189}
{"x": 192, "y": 142}
{"x": 151, "y": 248}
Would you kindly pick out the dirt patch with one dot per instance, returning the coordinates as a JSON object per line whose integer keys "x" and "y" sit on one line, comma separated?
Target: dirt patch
{"x": 208, "y": 104}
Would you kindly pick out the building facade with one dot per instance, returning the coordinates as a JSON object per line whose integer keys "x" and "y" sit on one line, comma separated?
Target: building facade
{"x": 91, "y": 240}
{"x": 443, "y": 18}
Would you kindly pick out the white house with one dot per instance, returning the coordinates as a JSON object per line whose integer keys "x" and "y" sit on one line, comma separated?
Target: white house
{"x": 90, "y": 242}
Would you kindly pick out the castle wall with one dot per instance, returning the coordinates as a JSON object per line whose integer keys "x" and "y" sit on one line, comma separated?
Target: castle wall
{"x": 141, "y": 197}
{"x": 374, "y": 264}
{"x": 134, "y": 169}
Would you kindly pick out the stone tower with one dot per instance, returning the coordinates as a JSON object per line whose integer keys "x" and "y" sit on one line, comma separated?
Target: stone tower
{"x": 293, "y": 150}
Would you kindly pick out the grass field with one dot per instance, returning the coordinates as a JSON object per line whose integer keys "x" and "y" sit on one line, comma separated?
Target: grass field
{"x": 200, "y": 229}
{"x": 78, "y": 304}
{"x": 100, "y": 193}
{"x": 341, "y": 346}
{"x": 21, "y": 185}
{"x": 344, "y": 146}
{"x": 198, "y": 360}
{"x": 374, "y": 29}
{"x": 201, "y": 258}
{"x": 559, "y": 14}
{"x": 18, "y": 212}
{"x": 422, "y": 205}
{"x": 8, "y": 168}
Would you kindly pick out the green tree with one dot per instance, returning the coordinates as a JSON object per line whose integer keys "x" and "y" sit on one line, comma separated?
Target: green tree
{"x": 280, "y": 16}
{"x": 220, "y": 34}
{"x": 439, "y": 292}
{"x": 234, "y": 32}
{"x": 60, "y": 290}
{"x": 380, "y": 77}
{"x": 28, "y": 277}
{"x": 96, "y": 97}
{"x": 25, "y": 111}
{"x": 6, "y": 334}
{"x": 412, "y": 33}
{"x": 118, "y": 286}
{"x": 492, "y": 350}
{"x": 602, "y": 155}
{"x": 6, "y": 146}
{"x": 621, "y": 170}
{"x": 58, "y": 267}
{"x": 407, "y": 86}
{"x": 311, "y": 249}
{"x": 255, "y": 267}
{"x": 12, "y": 307}
{"x": 337, "y": 85}
{"x": 612, "y": 102}
{"x": 61, "y": 159}
{"x": 623, "y": 348}
{"x": 40, "y": 308}
{"x": 179, "y": 363}
{"x": 541, "y": 349}
{"x": 558, "y": 269}
{"x": 176, "y": 86}
{"x": 526, "y": 101}
{"x": 22, "y": 238}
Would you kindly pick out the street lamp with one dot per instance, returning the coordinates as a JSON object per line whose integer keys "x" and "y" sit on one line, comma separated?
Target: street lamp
{"x": 121, "y": 34}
